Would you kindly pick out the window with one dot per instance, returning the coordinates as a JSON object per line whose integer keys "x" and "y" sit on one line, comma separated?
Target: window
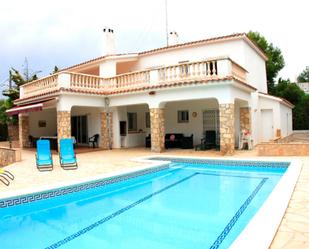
{"x": 183, "y": 116}
{"x": 132, "y": 121}
{"x": 147, "y": 119}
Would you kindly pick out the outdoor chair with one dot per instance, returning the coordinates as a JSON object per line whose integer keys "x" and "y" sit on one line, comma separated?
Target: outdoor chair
{"x": 208, "y": 141}
{"x": 94, "y": 140}
{"x": 31, "y": 141}
{"x": 67, "y": 155}
{"x": 5, "y": 177}
{"x": 44, "y": 160}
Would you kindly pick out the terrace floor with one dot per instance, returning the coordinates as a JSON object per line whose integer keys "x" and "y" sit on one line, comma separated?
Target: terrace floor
{"x": 292, "y": 233}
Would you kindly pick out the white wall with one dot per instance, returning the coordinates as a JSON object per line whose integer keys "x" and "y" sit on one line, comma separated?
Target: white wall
{"x": 66, "y": 101}
{"x": 238, "y": 50}
{"x": 282, "y": 116}
{"x": 132, "y": 139}
{"x": 108, "y": 69}
{"x": 225, "y": 92}
{"x": 195, "y": 124}
{"x": 256, "y": 67}
{"x": 48, "y": 115}
{"x": 233, "y": 49}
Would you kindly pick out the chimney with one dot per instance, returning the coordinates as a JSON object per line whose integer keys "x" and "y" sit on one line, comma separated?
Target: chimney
{"x": 108, "y": 46}
{"x": 173, "y": 38}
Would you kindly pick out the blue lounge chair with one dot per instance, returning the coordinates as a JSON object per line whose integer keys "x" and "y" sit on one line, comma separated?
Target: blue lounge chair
{"x": 67, "y": 155}
{"x": 44, "y": 160}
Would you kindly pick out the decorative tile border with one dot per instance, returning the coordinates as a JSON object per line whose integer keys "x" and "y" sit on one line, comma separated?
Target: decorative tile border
{"x": 236, "y": 216}
{"x": 113, "y": 215}
{"x": 19, "y": 200}
{"x": 217, "y": 242}
{"x": 262, "y": 164}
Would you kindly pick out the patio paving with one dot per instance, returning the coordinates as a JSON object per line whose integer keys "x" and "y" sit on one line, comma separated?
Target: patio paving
{"x": 292, "y": 233}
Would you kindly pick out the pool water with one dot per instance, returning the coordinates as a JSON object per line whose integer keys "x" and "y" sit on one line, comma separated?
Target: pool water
{"x": 187, "y": 205}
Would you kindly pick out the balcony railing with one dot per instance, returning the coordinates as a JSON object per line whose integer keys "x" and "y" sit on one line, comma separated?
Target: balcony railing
{"x": 192, "y": 71}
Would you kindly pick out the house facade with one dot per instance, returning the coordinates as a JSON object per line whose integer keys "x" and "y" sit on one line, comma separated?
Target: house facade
{"x": 215, "y": 84}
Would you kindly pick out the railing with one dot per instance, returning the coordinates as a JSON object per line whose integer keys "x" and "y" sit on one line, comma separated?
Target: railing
{"x": 201, "y": 70}
{"x": 85, "y": 81}
{"x": 40, "y": 86}
{"x": 131, "y": 79}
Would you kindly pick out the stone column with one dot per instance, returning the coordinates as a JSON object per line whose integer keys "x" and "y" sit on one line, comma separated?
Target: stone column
{"x": 106, "y": 130}
{"x": 63, "y": 124}
{"x": 227, "y": 128}
{"x": 245, "y": 119}
{"x": 13, "y": 132}
{"x": 23, "y": 123}
{"x": 157, "y": 129}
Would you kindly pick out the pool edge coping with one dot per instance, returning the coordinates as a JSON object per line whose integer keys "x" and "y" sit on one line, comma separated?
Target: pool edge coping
{"x": 271, "y": 212}
{"x": 58, "y": 185}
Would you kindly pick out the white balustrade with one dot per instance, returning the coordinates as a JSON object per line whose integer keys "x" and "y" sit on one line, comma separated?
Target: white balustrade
{"x": 86, "y": 82}
{"x": 40, "y": 86}
{"x": 188, "y": 71}
{"x": 200, "y": 70}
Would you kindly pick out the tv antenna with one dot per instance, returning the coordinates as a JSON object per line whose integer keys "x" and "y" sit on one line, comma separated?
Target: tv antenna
{"x": 166, "y": 23}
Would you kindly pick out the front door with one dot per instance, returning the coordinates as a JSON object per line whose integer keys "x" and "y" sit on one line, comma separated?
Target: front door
{"x": 267, "y": 127}
{"x": 79, "y": 129}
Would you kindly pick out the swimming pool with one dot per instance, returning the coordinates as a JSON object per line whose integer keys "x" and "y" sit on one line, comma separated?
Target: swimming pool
{"x": 185, "y": 204}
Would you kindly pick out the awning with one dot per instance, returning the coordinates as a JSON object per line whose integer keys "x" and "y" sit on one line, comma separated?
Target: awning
{"x": 25, "y": 109}
{"x": 30, "y": 108}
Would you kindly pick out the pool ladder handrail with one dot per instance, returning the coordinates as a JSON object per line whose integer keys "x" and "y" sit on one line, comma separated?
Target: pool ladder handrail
{"x": 6, "y": 176}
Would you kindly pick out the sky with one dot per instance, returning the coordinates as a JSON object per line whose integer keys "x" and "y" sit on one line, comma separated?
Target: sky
{"x": 65, "y": 32}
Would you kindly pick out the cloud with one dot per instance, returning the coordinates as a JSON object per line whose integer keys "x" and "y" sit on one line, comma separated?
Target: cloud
{"x": 67, "y": 32}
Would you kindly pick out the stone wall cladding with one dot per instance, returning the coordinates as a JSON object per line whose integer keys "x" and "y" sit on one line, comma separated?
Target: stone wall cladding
{"x": 227, "y": 128}
{"x": 245, "y": 118}
{"x": 157, "y": 129}
{"x": 106, "y": 133}
{"x": 23, "y": 130}
{"x": 282, "y": 149}
{"x": 13, "y": 132}
{"x": 9, "y": 156}
{"x": 63, "y": 124}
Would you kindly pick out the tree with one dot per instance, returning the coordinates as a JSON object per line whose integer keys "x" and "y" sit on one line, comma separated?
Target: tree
{"x": 291, "y": 92}
{"x": 3, "y": 122}
{"x": 19, "y": 79}
{"x": 56, "y": 70}
{"x": 304, "y": 75}
{"x": 301, "y": 114}
{"x": 16, "y": 80}
{"x": 275, "y": 58}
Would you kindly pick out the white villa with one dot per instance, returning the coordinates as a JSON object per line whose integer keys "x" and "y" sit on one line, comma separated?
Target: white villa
{"x": 216, "y": 84}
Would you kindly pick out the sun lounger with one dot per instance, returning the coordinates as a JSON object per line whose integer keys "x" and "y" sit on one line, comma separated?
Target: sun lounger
{"x": 67, "y": 155}
{"x": 44, "y": 160}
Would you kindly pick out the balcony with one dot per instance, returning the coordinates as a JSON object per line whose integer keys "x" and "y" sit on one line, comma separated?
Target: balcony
{"x": 214, "y": 69}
